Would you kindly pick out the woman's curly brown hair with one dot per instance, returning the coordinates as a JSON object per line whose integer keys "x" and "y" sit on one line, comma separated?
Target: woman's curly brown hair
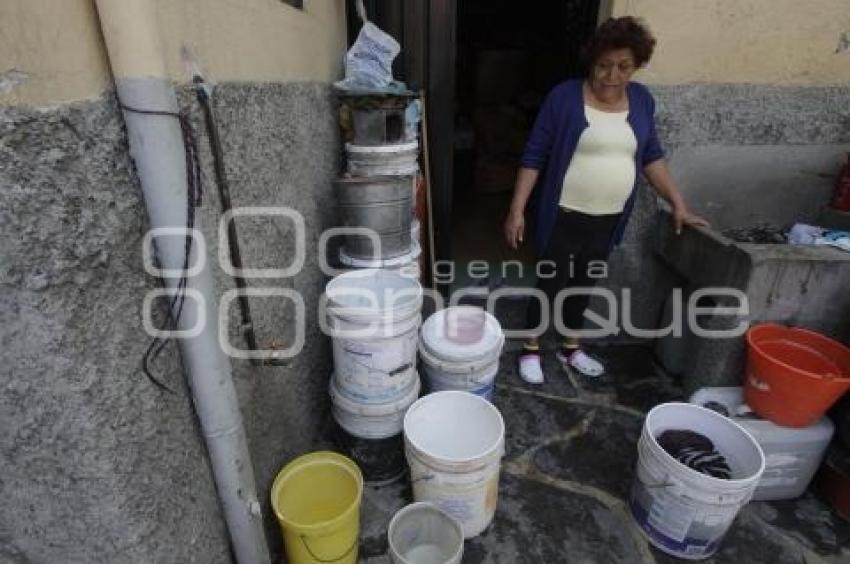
{"x": 626, "y": 32}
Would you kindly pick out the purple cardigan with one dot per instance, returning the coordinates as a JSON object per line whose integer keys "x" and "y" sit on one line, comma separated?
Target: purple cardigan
{"x": 553, "y": 141}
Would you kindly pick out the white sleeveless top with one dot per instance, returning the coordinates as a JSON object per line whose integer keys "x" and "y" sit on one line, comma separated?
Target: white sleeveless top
{"x": 602, "y": 172}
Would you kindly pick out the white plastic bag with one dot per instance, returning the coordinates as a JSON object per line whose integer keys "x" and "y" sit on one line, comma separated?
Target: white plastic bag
{"x": 802, "y": 234}
{"x": 369, "y": 62}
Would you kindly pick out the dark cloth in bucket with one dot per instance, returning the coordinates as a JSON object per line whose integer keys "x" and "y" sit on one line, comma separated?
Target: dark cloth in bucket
{"x": 696, "y": 451}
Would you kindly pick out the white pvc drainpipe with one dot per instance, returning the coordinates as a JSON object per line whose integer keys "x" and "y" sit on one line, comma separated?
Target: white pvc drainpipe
{"x": 156, "y": 145}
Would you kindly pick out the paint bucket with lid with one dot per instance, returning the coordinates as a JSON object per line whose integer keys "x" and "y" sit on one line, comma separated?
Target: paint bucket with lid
{"x": 370, "y": 420}
{"x": 373, "y": 317}
{"x": 454, "y": 442}
{"x": 371, "y": 435}
{"x": 682, "y": 511}
{"x": 460, "y": 348}
{"x": 423, "y": 533}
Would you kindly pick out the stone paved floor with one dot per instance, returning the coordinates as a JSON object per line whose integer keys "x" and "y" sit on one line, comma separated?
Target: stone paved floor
{"x": 570, "y": 457}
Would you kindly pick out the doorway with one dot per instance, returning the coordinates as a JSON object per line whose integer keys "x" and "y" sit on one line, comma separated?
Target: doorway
{"x": 509, "y": 55}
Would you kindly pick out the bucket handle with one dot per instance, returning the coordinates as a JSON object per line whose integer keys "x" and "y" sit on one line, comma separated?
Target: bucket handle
{"x": 658, "y": 485}
{"x": 423, "y": 478}
{"x": 390, "y": 373}
{"x": 317, "y": 559}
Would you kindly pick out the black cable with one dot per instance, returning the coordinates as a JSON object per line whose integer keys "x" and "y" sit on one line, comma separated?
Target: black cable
{"x": 194, "y": 195}
{"x": 247, "y": 326}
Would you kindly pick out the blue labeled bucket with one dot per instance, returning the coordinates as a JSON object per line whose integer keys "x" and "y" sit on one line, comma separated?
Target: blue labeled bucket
{"x": 681, "y": 511}
{"x": 460, "y": 348}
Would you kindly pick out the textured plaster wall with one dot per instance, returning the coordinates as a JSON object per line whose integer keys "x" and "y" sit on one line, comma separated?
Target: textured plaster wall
{"x": 96, "y": 464}
{"x": 752, "y": 108}
{"x": 746, "y": 41}
{"x": 282, "y": 146}
{"x": 741, "y": 154}
{"x": 749, "y": 153}
{"x": 52, "y": 51}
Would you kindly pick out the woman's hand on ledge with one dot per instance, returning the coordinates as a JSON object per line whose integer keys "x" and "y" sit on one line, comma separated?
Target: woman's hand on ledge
{"x": 683, "y": 216}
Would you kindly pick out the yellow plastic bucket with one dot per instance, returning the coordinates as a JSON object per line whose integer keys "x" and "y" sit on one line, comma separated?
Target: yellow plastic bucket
{"x": 316, "y": 499}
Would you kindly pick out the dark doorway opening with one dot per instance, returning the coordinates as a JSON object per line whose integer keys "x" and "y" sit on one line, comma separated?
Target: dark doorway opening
{"x": 509, "y": 55}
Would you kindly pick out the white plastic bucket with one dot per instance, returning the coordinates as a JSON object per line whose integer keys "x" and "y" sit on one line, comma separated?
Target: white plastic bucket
{"x": 371, "y": 420}
{"x": 422, "y": 533}
{"x": 460, "y": 353}
{"x": 792, "y": 455}
{"x": 373, "y": 316}
{"x": 681, "y": 511}
{"x": 383, "y": 160}
{"x": 407, "y": 265}
{"x": 454, "y": 442}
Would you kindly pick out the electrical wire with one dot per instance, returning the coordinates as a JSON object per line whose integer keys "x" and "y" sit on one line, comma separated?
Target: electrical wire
{"x": 194, "y": 195}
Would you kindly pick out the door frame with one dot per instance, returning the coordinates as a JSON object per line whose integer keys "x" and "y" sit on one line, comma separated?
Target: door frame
{"x": 427, "y": 32}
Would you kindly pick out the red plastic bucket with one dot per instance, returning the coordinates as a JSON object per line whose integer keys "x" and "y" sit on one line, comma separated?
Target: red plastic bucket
{"x": 794, "y": 375}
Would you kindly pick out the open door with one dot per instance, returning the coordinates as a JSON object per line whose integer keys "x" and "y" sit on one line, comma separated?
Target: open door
{"x": 509, "y": 56}
{"x": 426, "y": 31}
{"x": 485, "y": 66}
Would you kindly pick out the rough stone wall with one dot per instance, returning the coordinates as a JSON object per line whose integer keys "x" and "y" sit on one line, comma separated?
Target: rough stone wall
{"x": 770, "y": 133}
{"x": 281, "y": 149}
{"x": 97, "y": 464}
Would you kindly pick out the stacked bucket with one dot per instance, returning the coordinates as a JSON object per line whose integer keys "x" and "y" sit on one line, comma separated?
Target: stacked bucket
{"x": 377, "y": 190}
{"x": 460, "y": 348}
{"x": 374, "y": 307}
{"x": 374, "y": 317}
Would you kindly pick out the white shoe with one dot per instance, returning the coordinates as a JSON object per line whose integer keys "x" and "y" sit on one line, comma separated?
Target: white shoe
{"x": 530, "y": 369}
{"x": 582, "y": 363}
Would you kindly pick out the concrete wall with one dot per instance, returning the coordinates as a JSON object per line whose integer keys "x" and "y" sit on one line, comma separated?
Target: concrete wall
{"x": 740, "y": 87}
{"x": 282, "y": 148}
{"x": 97, "y": 464}
{"x": 745, "y": 153}
{"x": 745, "y": 41}
{"x": 52, "y": 52}
{"x": 753, "y": 108}
{"x": 756, "y": 174}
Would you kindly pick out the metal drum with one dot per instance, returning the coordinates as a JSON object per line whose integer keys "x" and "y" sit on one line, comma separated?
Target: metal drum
{"x": 383, "y": 160}
{"x": 379, "y": 203}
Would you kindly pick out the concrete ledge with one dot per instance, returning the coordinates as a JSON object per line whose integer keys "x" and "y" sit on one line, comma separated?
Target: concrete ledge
{"x": 796, "y": 285}
{"x": 702, "y": 255}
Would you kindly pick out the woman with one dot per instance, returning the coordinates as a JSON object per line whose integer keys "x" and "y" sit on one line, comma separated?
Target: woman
{"x": 589, "y": 141}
